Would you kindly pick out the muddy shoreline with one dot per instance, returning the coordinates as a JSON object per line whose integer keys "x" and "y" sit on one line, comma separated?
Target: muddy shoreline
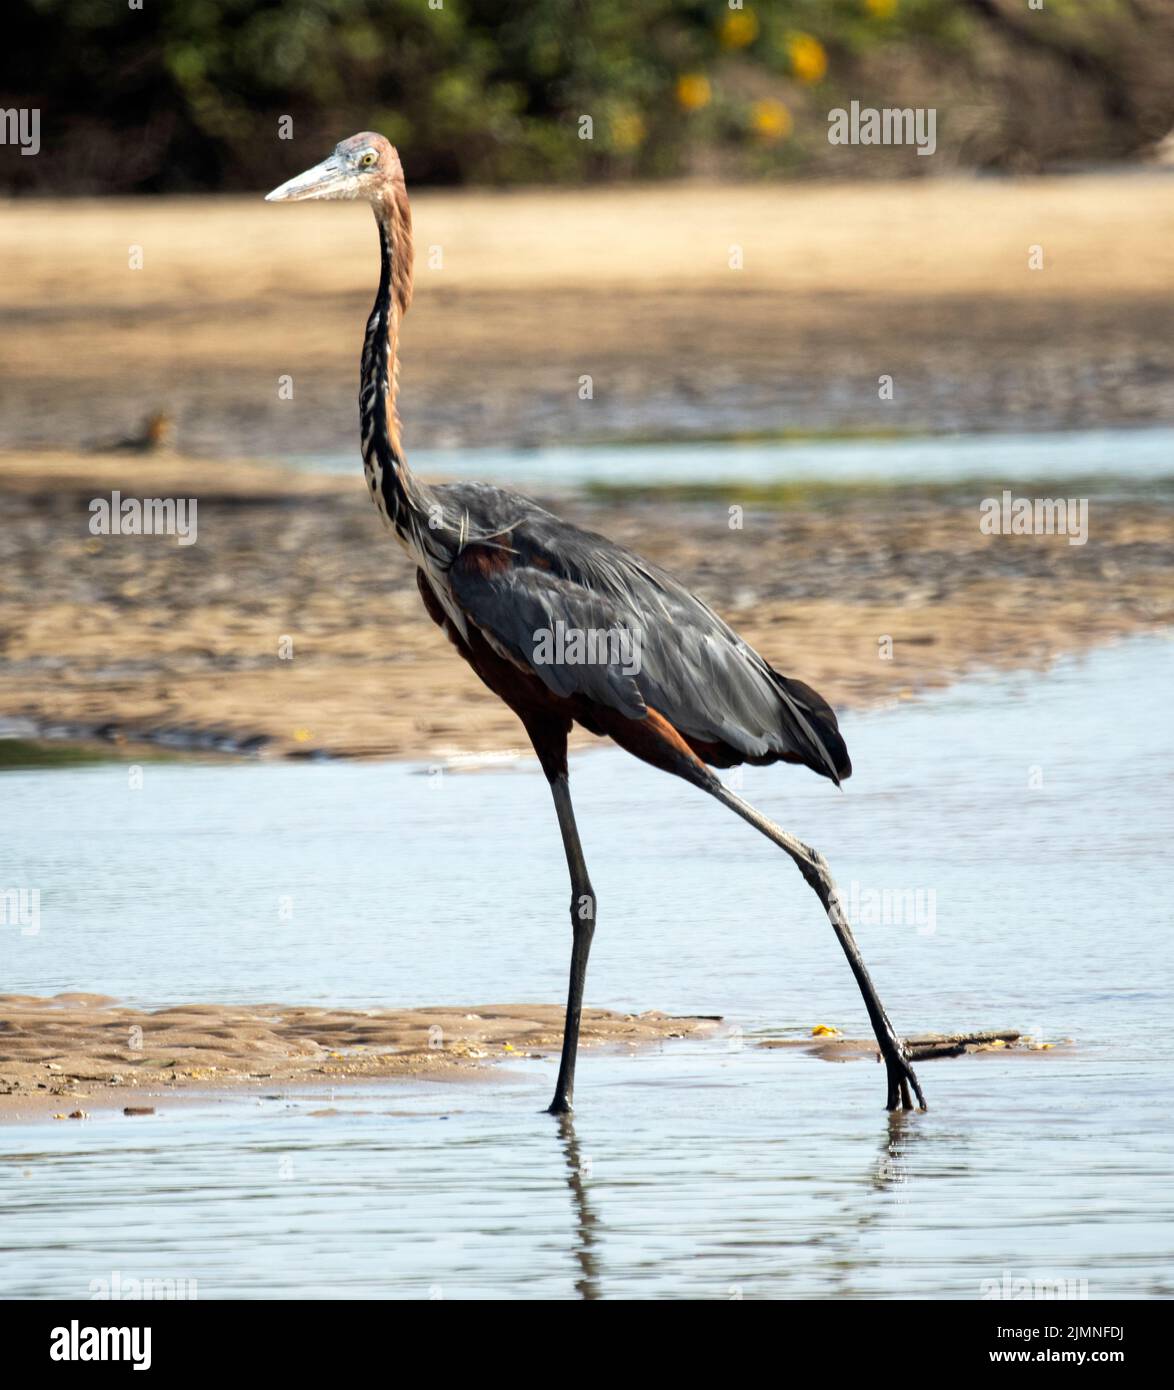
{"x": 72, "y": 1054}
{"x": 293, "y": 628}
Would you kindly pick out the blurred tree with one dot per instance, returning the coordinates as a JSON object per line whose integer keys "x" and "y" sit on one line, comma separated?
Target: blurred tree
{"x": 188, "y": 94}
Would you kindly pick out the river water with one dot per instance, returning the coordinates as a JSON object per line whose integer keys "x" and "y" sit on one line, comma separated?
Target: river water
{"x": 1022, "y": 824}
{"x": 1130, "y": 456}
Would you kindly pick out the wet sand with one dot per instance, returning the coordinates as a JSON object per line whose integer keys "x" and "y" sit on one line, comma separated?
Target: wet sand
{"x": 129, "y": 640}
{"x": 75, "y": 1053}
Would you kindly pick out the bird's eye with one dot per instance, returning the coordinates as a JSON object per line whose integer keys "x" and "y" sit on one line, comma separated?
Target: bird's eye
{"x": 367, "y": 160}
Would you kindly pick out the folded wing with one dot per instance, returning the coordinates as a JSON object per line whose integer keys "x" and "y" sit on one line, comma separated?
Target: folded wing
{"x": 549, "y": 598}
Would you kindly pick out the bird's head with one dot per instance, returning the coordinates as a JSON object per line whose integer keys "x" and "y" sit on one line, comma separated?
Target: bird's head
{"x": 365, "y": 166}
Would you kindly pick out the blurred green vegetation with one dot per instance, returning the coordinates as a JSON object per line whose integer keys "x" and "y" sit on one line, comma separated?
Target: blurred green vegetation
{"x": 833, "y": 493}
{"x": 188, "y": 94}
{"x": 25, "y": 753}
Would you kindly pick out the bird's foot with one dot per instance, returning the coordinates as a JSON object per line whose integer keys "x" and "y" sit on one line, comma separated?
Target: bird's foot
{"x": 560, "y": 1105}
{"x": 901, "y": 1078}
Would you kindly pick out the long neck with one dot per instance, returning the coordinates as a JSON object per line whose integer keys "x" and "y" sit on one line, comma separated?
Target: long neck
{"x": 397, "y": 492}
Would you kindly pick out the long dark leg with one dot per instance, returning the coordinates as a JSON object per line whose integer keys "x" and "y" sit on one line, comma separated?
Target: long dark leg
{"x": 549, "y": 737}
{"x": 812, "y": 865}
{"x": 656, "y": 741}
{"x": 583, "y": 929}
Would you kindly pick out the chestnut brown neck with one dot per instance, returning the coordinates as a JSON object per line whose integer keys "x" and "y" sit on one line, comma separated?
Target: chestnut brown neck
{"x": 393, "y": 486}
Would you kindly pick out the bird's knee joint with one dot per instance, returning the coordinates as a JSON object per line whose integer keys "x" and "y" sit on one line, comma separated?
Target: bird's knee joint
{"x": 819, "y": 866}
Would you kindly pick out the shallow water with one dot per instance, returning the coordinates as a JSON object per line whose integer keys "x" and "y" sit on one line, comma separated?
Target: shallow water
{"x": 1129, "y": 455}
{"x": 706, "y": 1168}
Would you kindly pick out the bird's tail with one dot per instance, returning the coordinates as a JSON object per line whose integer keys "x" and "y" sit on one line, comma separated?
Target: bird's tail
{"x": 809, "y": 723}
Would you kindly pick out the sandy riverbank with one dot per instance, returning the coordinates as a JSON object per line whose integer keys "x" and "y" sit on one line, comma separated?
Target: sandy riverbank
{"x": 929, "y": 282}
{"x": 77, "y": 1053}
{"x": 520, "y": 294}
{"x": 130, "y": 639}
{"x": 73, "y": 1055}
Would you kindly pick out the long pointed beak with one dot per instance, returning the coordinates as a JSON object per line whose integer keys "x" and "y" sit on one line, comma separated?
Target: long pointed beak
{"x": 324, "y": 180}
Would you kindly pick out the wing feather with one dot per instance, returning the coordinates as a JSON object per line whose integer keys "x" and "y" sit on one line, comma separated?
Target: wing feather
{"x": 691, "y": 667}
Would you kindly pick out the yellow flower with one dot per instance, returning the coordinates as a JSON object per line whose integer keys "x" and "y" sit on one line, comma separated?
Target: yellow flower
{"x": 771, "y": 120}
{"x": 627, "y": 130}
{"x": 693, "y": 90}
{"x": 809, "y": 61}
{"x": 738, "y": 29}
{"x": 881, "y": 9}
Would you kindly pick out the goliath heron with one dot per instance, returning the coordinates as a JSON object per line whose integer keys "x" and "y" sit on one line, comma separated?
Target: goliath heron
{"x": 500, "y": 574}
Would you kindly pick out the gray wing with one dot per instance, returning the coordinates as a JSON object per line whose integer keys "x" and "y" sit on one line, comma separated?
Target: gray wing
{"x": 671, "y": 652}
{"x": 541, "y": 621}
